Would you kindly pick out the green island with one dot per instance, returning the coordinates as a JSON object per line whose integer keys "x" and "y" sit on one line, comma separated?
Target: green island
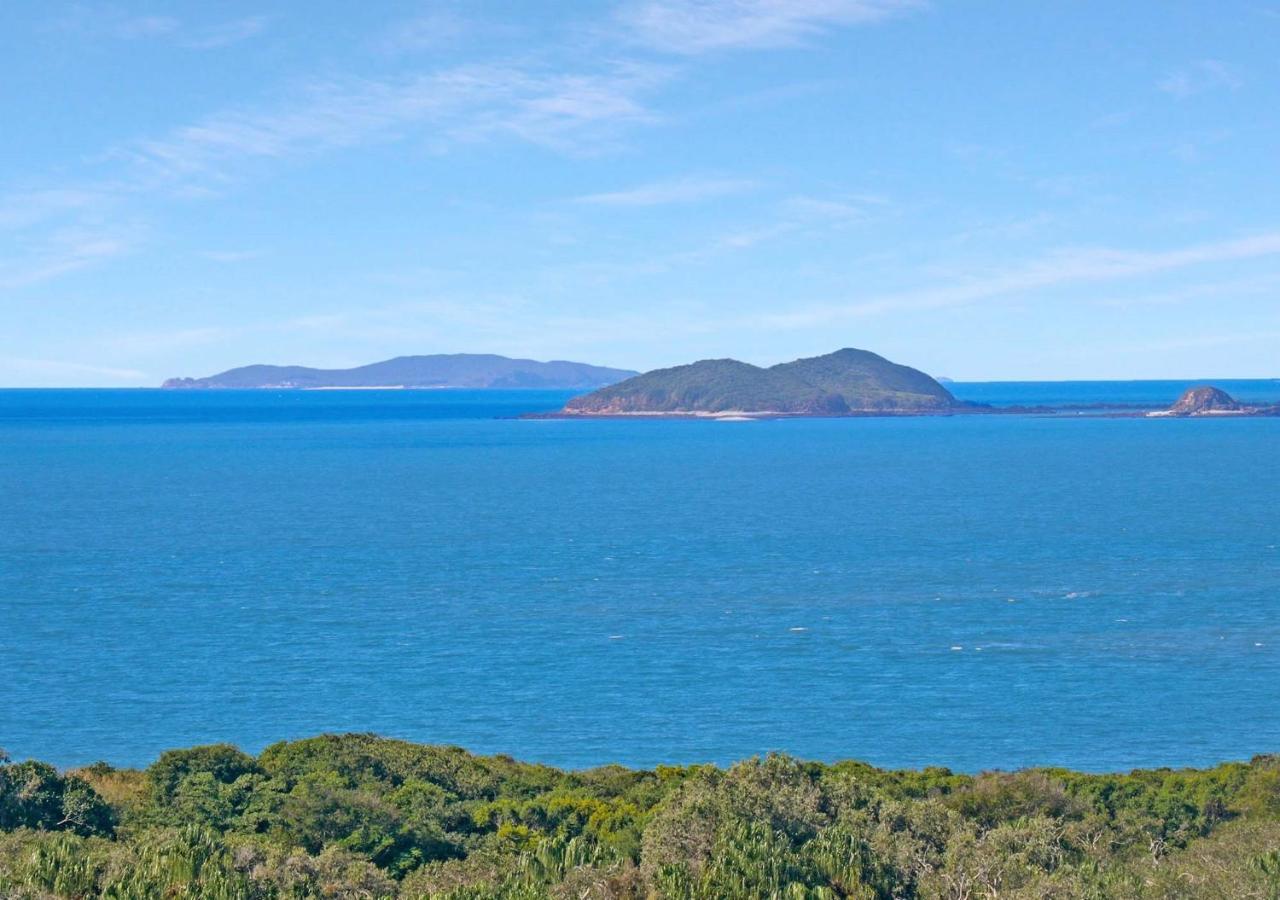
{"x": 358, "y": 816}
{"x": 846, "y": 382}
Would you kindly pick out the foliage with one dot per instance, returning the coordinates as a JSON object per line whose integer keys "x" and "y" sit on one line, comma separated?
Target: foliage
{"x": 356, "y": 816}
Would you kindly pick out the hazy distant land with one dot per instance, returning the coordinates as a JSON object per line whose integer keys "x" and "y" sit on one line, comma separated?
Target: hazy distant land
{"x": 444, "y": 370}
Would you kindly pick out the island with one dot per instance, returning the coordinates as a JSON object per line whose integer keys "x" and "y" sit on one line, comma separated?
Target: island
{"x": 1207, "y": 400}
{"x": 846, "y": 382}
{"x": 445, "y": 370}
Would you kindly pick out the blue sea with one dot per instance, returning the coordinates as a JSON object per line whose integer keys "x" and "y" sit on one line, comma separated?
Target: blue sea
{"x": 974, "y": 591}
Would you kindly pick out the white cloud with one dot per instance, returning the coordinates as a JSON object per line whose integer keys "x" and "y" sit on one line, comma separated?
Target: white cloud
{"x": 104, "y": 21}
{"x": 226, "y": 33}
{"x": 1196, "y": 341}
{"x": 62, "y": 252}
{"x": 1200, "y": 77}
{"x": 563, "y": 111}
{"x": 146, "y": 343}
{"x": 573, "y": 113}
{"x": 231, "y": 256}
{"x": 143, "y": 27}
{"x": 699, "y": 26}
{"x": 1215, "y": 290}
{"x": 834, "y": 209}
{"x": 1071, "y": 267}
{"x": 28, "y": 208}
{"x": 662, "y": 193}
{"x": 427, "y": 31}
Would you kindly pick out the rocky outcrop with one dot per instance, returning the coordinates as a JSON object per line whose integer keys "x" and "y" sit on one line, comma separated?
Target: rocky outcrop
{"x": 1205, "y": 400}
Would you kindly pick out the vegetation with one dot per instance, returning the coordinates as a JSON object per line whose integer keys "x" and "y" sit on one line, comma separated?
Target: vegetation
{"x": 847, "y": 381}
{"x": 356, "y": 816}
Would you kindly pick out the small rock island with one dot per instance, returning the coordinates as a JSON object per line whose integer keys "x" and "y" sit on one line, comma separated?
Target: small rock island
{"x": 1207, "y": 400}
{"x": 846, "y": 382}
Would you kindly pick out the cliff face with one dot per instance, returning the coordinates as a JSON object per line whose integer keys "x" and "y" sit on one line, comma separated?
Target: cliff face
{"x": 840, "y": 383}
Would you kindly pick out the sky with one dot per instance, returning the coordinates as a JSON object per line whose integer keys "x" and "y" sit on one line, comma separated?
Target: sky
{"x": 984, "y": 190}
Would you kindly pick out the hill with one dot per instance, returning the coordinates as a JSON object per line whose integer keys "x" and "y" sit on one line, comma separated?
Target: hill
{"x": 842, "y": 383}
{"x": 867, "y": 381}
{"x": 454, "y": 370}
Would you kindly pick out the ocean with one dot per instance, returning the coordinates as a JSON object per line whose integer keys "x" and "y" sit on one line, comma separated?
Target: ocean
{"x": 976, "y": 591}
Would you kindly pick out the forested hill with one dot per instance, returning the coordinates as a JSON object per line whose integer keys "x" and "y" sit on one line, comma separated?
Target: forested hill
{"x": 453, "y": 370}
{"x": 356, "y": 816}
{"x": 846, "y": 382}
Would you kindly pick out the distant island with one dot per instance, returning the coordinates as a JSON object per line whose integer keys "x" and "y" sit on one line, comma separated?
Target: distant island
{"x": 451, "y": 370}
{"x": 846, "y": 382}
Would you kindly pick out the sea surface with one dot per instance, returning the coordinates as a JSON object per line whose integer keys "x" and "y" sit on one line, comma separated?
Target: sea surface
{"x": 976, "y": 591}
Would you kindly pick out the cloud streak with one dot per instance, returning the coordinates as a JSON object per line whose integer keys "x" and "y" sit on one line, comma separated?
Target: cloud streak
{"x": 663, "y": 193}
{"x": 1067, "y": 268}
{"x": 562, "y": 111}
{"x": 571, "y": 113}
{"x": 226, "y": 33}
{"x": 65, "y": 251}
{"x": 690, "y": 27}
{"x": 1200, "y": 77}
{"x": 98, "y": 21}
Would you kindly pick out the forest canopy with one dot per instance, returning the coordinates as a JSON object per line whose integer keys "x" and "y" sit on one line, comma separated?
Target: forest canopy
{"x": 358, "y": 816}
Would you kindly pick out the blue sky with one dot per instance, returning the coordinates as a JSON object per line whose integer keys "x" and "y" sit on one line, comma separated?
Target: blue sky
{"x": 1059, "y": 189}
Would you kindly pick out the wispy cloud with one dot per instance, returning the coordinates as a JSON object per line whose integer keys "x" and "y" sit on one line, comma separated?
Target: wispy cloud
{"x": 144, "y": 27}
{"x": 428, "y": 31}
{"x": 28, "y": 208}
{"x": 230, "y": 256}
{"x": 576, "y": 113}
{"x": 663, "y": 193}
{"x": 1196, "y": 341}
{"x": 226, "y": 33}
{"x": 62, "y": 252}
{"x": 1059, "y": 269}
{"x": 1215, "y": 290}
{"x": 700, "y": 26}
{"x": 106, "y": 21}
{"x": 792, "y": 216}
{"x": 564, "y": 111}
{"x": 834, "y": 208}
{"x": 1200, "y": 77}
{"x": 145, "y": 343}
{"x": 798, "y": 214}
